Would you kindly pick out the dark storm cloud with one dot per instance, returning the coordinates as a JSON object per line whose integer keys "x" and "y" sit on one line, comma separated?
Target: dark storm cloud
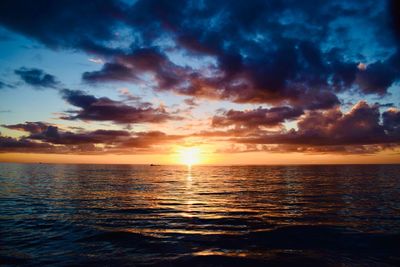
{"x": 360, "y": 126}
{"x": 280, "y": 52}
{"x": 37, "y": 78}
{"x": 129, "y": 67}
{"x": 256, "y": 117}
{"x": 67, "y": 24}
{"x": 105, "y": 109}
{"x": 285, "y": 63}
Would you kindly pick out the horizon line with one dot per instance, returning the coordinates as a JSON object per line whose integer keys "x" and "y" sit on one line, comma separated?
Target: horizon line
{"x": 199, "y": 165}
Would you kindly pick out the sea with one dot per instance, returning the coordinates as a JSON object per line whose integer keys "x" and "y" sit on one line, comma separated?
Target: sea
{"x": 141, "y": 215}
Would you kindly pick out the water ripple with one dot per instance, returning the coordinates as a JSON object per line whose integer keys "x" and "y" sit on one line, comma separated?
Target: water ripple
{"x": 62, "y": 215}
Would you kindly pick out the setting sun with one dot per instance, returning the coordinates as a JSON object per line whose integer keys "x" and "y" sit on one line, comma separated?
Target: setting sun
{"x": 189, "y": 156}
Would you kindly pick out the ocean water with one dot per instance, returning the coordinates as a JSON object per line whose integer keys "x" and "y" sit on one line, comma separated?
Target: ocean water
{"x": 130, "y": 215}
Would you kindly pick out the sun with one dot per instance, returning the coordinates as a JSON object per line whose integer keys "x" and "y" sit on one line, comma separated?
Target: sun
{"x": 189, "y": 156}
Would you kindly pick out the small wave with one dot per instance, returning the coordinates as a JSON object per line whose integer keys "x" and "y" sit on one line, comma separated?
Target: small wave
{"x": 141, "y": 211}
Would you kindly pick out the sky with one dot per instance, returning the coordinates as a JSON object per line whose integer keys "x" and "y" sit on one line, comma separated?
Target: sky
{"x": 209, "y": 82}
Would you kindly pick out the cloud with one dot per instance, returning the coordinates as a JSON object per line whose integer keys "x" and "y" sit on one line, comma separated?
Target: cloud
{"x": 147, "y": 139}
{"x": 128, "y": 96}
{"x": 52, "y": 139}
{"x": 360, "y": 126}
{"x": 92, "y": 108}
{"x": 131, "y": 66}
{"x": 318, "y": 150}
{"x": 361, "y": 66}
{"x": 30, "y": 127}
{"x": 242, "y": 84}
{"x": 391, "y": 121}
{"x": 110, "y": 72}
{"x": 4, "y": 85}
{"x": 257, "y": 117}
{"x": 248, "y": 68}
{"x": 9, "y": 144}
{"x": 53, "y": 135}
{"x": 283, "y": 53}
{"x": 190, "y": 102}
{"x": 64, "y": 24}
{"x": 362, "y": 130}
{"x": 37, "y": 78}
{"x": 96, "y": 60}
{"x": 377, "y": 77}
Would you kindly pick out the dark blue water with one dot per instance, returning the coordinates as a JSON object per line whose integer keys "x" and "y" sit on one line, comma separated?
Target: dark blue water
{"x": 121, "y": 215}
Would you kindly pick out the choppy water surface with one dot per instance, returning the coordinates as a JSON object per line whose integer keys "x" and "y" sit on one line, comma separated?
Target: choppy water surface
{"x": 63, "y": 215}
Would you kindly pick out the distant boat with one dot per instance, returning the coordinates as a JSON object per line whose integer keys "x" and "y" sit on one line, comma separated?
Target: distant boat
{"x": 153, "y": 165}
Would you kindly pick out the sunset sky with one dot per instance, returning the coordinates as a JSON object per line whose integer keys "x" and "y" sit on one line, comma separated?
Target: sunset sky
{"x": 233, "y": 82}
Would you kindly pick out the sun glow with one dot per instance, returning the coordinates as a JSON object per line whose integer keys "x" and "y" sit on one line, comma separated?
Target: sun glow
{"x": 189, "y": 156}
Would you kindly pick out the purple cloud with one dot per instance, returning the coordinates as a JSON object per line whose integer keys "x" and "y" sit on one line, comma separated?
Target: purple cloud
{"x": 105, "y": 109}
